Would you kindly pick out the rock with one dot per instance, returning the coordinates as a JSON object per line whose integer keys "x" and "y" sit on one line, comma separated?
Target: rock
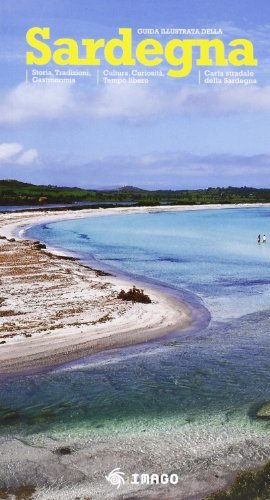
{"x": 39, "y": 246}
{"x": 64, "y": 450}
{"x": 174, "y": 343}
{"x": 10, "y": 418}
{"x": 43, "y": 199}
{"x": 101, "y": 273}
{"x": 264, "y": 411}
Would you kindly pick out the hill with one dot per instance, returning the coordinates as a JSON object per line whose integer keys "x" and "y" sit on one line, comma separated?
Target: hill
{"x": 13, "y": 192}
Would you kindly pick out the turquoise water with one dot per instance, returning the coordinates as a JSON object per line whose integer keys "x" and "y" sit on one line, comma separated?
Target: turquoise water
{"x": 212, "y": 253}
{"x": 212, "y": 379}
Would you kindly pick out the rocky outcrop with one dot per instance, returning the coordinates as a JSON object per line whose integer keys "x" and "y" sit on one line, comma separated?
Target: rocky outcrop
{"x": 264, "y": 411}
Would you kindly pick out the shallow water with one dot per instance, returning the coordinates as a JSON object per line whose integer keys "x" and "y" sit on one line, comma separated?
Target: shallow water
{"x": 203, "y": 388}
{"x": 213, "y": 253}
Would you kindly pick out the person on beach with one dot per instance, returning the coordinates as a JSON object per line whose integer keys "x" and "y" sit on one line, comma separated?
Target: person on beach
{"x": 259, "y": 238}
{"x": 264, "y": 238}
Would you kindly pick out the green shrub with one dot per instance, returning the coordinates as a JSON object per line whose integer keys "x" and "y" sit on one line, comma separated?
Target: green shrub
{"x": 248, "y": 485}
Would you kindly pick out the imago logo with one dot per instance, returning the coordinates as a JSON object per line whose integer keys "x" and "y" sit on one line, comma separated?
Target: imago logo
{"x": 155, "y": 479}
{"x": 115, "y": 478}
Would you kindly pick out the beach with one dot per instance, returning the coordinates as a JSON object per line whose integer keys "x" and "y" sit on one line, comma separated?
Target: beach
{"x": 55, "y": 309}
{"x": 184, "y": 404}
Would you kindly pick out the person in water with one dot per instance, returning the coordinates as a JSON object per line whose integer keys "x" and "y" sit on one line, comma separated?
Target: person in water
{"x": 259, "y": 238}
{"x": 264, "y": 238}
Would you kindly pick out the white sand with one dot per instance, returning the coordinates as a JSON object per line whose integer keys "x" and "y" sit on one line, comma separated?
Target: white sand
{"x": 205, "y": 457}
{"x": 66, "y": 310}
{"x": 55, "y": 310}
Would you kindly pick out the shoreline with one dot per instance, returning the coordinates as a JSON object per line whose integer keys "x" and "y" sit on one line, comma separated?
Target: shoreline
{"x": 48, "y": 216}
{"x": 125, "y": 324}
{"x": 165, "y": 315}
{"x": 207, "y": 478}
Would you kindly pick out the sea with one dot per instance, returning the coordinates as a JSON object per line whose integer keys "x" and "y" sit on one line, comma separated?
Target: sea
{"x": 186, "y": 402}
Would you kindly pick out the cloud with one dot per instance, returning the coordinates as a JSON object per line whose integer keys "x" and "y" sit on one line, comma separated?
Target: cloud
{"x": 172, "y": 170}
{"x": 161, "y": 170}
{"x": 128, "y": 102}
{"x": 140, "y": 103}
{"x": 181, "y": 164}
{"x": 14, "y": 153}
{"x": 27, "y": 157}
{"x": 134, "y": 104}
{"x": 8, "y": 151}
{"x": 33, "y": 102}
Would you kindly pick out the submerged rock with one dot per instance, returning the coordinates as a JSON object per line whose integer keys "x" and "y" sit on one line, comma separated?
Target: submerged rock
{"x": 174, "y": 343}
{"x": 11, "y": 417}
{"x": 64, "y": 450}
{"x": 264, "y": 411}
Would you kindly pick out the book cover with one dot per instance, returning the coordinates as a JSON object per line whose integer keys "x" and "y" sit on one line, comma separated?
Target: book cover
{"x": 134, "y": 249}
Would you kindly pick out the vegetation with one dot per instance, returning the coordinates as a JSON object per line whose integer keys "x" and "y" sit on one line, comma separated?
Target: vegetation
{"x": 248, "y": 485}
{"x": 134, "y": 295}
{"x": 24, "y": 492}
{"x": 13, "y": 192}
{"x": 20, "y": 193}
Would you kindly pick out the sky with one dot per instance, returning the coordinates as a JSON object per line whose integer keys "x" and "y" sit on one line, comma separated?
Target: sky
{"x": 177, "y": 133}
